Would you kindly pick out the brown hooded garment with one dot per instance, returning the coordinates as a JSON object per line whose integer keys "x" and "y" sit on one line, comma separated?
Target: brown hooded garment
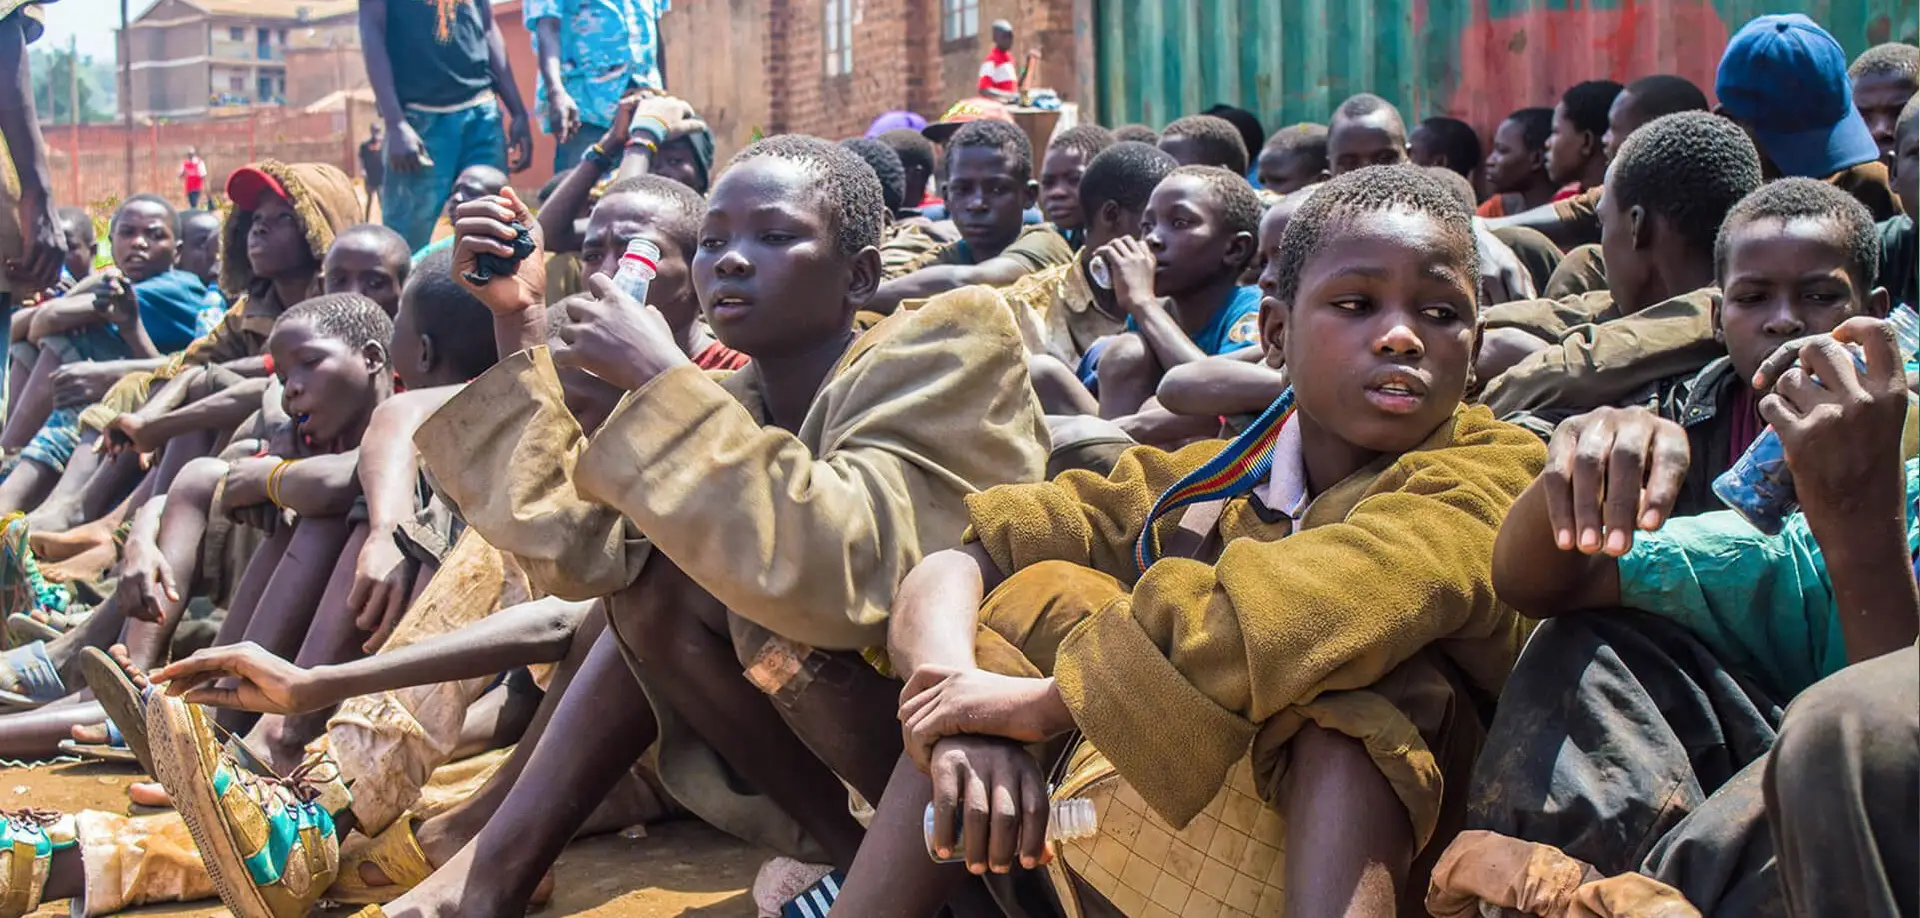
{"x": 324, "y": 199}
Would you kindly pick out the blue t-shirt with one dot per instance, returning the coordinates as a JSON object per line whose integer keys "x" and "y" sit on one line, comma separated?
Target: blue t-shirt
{"x": 606, "y": 48}
{"x": 172, "y": 305}
{"x": 1235, "y": 326}
{"x": 1763, "y": 604}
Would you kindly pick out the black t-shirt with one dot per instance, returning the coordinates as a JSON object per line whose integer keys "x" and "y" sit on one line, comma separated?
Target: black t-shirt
{"x": 439, "y": 51}
{"x": 1899, "y": 252}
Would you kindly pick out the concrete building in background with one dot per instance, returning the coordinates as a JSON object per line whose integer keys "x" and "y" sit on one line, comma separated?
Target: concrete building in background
{"x": 827, "y": 67}
{"x": 323, "y": 58}
{"x": 194, "y": 59}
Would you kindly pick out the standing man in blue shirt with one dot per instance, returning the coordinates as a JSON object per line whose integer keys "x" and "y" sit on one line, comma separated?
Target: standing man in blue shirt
{"x": 592, "y": 53}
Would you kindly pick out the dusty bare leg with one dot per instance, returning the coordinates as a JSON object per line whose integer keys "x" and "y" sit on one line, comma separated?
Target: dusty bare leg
{"x": 1059, "y": 389}
{"x": 333, "y": 638}
{"x": 1129, "y": 374}
{"x": 603, "y": 726}
{"x": 73, "y": 501}
{"x": 1349, "y": 841}
{"x": 34, "y": 405}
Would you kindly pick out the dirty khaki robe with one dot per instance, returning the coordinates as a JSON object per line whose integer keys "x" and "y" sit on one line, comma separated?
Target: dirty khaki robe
{"x": 806, "y": 534}
{"x": 1379, "y": 603}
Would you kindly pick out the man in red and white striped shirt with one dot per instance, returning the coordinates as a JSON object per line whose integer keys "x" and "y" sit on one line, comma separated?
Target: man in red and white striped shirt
{"x": 998, "y": 78}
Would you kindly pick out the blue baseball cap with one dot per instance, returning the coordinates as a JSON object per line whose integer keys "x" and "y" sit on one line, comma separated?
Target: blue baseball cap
{"x": 1786, "y": 79}
{"x": 896, "y": 121}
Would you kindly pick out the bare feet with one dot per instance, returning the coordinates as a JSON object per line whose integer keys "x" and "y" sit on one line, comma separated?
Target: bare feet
{"x": 88, "y": 565}
{"x": 456, "y": 888}
{"x": 441, "y": 840}
{"x": 96, "y": 734}
{"x": 149, "y": 793}
{"x": 60, "y": 546}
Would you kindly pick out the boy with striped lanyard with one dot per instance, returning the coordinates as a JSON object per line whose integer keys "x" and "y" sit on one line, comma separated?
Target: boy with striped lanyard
{"x": 1316, "y": 593}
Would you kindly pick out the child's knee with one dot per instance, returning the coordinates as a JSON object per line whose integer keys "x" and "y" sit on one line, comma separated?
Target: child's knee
{"x": 1125, "y": 355}
{"x": 198, "y": 478}
{"x": 664, "y": 615}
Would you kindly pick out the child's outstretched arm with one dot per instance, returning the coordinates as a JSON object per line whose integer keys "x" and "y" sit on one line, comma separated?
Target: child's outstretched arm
{"x": 540, "y": 631}
{"x": 389, "y": 472}
{"x": 1236, "y": 383}
{"x": 1608, "y": 473}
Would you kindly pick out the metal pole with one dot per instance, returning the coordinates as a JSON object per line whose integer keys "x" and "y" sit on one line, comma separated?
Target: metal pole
{"x": 73, "y": 114}
{"x": 126, "y": 92}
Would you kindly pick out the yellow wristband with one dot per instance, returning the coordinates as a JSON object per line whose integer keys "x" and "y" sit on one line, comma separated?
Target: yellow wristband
{"x": 273, "y": 482}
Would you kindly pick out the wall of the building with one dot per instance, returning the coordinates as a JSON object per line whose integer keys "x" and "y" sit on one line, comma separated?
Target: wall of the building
{"x": 762, "y": 64}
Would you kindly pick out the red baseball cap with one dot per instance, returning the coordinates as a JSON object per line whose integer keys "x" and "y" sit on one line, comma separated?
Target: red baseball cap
{"x": 246, "y": 183}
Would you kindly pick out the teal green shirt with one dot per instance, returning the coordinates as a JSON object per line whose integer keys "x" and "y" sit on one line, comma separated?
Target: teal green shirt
{"x": 1762, "y": 604}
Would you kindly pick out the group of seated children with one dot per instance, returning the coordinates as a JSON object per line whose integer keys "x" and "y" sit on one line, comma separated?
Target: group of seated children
{"x": 1284, "y": 531}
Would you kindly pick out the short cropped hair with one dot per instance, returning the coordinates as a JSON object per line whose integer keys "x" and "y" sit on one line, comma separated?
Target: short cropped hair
{"x": 1690, "y": 168}
{"x": 1252, "y": 132}
{"x": 173, "y": 216}
{"x": 349, "y": 318}
{"x": 190, "y": 217}
{"x": 1894, "y": 59}
{"x": 1006, "y": 139}
{"x": 886, "y": 167}
{"x": 1239, "y": 204}
{"x": 1125, "y": 174}
{"x": 1088, "y": 139}
{"x": 1219, "y": 141}
{"x": 1665, "y": 94}
{"x": 1304, "y": 139}
{"x": 913, "y": 148}
{"x": 1368, "y": 190}
{"x": 1805, "y": 198}
{"x": 461, "y": 326}
{"x": 684, "y": 208}
{"x": 78, "y": 218}
{"x": 851, "y": 193}
{"x": 1459, "y": 144}
{"x": 1460, "y": 185}
{"x": 1536, "y": 125}
{"x": 1589, "y": 103}
{"x": 1138, "y": 133}
{"x": 385, "y": 238}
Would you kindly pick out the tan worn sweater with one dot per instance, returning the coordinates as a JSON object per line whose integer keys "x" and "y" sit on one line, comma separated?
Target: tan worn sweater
{"x": 1175, "y": 681}
{"x": 1611, "y": 359}
{"x": 806, "y": 534}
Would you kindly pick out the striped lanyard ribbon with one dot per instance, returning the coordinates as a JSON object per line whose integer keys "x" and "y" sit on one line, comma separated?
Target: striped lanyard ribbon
{"x": 1239, "y": 468}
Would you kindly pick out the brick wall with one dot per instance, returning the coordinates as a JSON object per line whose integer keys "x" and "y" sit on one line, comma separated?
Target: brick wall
{"x": 761, "y": 64}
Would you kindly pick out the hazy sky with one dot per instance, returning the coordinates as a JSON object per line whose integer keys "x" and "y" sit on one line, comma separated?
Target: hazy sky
{"x": 92, "y": 22}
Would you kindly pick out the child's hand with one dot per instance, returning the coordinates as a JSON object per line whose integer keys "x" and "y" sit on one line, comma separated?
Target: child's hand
{"x": 117, "y": 302}
{"x": 1865, "y": 411}
{"x": 1612, "y": 469}
{"x": 262, "y": 682}
{"x": 1503, "y": 278}
{"x": 77, "y": 384}
{"x": 488, "y": 225}
{"x": 1130, "y": 265}
{"x": 939, "y": 702}
{"x": 128, "y": 432}
{"x": 611, "y": 336}
{"x": 990, "y": 801}
{"x": 145, "y": 580}
{"x": 382, "y": 581}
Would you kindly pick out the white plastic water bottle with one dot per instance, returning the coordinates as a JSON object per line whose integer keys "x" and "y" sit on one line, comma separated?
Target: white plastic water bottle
{"x": 637, "y": 269}
{"x": 1067, "y": 820}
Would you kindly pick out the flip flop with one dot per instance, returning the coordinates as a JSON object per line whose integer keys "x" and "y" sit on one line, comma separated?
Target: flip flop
{"x": 22, "y": 629}
{"x": 126, "y": 704}
{"x": 34, "y": 673}
{"x": 114, "y": 750}
{"x": 396, "y": 852}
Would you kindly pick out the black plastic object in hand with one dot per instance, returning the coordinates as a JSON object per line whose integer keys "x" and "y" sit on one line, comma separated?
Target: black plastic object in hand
{"x": 487, "y": 266}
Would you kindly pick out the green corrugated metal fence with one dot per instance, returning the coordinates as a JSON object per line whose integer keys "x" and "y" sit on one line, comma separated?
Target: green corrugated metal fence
{"x": 1294, "y": 60}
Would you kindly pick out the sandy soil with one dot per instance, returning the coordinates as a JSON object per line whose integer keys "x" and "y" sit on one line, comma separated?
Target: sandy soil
{"x": 682, "y": 868}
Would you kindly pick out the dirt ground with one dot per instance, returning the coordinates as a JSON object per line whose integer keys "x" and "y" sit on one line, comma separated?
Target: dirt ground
{"x": 682, "y": 868}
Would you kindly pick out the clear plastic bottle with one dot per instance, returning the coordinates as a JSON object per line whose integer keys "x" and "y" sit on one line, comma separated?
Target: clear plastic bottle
{"x": 637, "y": 269}
{"x": 1097, "y": 272}
{"x": 1067, "y": 820}
{"x": 1759, "y": 486}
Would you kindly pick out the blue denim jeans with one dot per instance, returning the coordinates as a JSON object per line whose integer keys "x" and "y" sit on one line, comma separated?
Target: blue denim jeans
{"x": 411, "y": 202}
{"x": 567, "y": 155}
